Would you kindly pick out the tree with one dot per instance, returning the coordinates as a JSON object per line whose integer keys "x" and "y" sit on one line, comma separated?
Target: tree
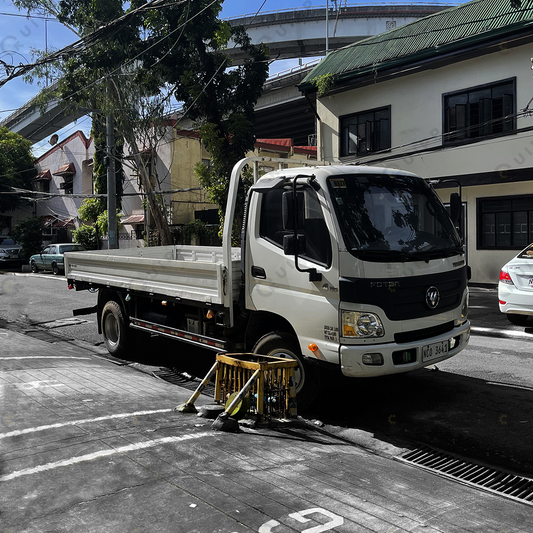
{"x": 29, "y": 233}
{"x": 16, "y": 168}
{"x": 153, "y": 52}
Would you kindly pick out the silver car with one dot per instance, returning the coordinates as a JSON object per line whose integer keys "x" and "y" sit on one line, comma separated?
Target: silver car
{"x": 9, "y": 251}
{"x": 51, "y": 258}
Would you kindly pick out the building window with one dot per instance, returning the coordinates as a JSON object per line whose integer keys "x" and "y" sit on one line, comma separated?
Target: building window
{"x": 68, "y": 185}
{"x": 366, "y": 132}
{"x": 480, "y": 112}
{"x": 505, "y": 223}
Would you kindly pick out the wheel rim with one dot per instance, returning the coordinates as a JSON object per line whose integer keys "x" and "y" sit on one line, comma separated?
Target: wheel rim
{"x": 299, "y": 372}
{"x": 111, "y": 330}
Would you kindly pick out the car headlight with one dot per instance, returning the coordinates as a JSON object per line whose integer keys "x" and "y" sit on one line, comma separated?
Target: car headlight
{"x": 361, "y": 324}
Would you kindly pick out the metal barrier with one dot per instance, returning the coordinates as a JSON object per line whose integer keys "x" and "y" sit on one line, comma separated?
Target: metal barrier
{"x": 264, "y": 384}
{"x": 267, "y": 380}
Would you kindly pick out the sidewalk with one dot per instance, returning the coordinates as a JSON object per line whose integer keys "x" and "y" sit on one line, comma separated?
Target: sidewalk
{"x": 88, "y": 445}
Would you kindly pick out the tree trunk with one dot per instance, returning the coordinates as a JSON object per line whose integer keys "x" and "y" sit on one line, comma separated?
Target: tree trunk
{"x": 159, "y": 217}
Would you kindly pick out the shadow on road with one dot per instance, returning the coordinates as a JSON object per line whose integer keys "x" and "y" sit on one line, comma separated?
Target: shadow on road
{"x": 487, "y": 421}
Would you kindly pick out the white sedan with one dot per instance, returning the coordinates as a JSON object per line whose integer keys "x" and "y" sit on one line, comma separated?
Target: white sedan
{"x": 515, "y": 288}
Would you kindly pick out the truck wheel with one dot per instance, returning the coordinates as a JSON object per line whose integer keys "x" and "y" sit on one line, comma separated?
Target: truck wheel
{"x": 517, "y": 320}
{"x": 114, "y": 329}
{"x": 306, "y": 378}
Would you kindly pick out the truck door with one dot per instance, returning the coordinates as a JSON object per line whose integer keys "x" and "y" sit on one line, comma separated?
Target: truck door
{"x": 276, "y": 286}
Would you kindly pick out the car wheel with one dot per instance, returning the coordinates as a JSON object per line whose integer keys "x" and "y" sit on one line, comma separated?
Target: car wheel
{"x": 34, "y": 267}
{"x": 306, "y": 377}
{"x": 55, "y": 269}
{"x": 517, "y": 320}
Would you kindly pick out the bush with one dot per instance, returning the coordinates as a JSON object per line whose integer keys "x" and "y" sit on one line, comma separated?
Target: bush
{"x": 86, "y": 236}
{"x": 29, "y": 233}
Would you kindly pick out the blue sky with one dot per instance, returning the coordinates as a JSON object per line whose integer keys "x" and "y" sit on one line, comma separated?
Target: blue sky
{"x": 19, "y": 35}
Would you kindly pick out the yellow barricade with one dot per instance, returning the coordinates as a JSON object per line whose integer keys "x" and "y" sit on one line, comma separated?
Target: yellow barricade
{"x": 268, "y": 382}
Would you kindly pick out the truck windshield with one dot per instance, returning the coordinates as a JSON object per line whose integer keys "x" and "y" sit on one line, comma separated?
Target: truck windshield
{"x": 392, "y": 217}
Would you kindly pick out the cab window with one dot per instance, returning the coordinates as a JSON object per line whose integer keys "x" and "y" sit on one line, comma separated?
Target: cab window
{"x": 318, "y": 243}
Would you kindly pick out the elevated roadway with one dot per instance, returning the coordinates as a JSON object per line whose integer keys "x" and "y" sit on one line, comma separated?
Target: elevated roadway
{"x": 301, "y": 32}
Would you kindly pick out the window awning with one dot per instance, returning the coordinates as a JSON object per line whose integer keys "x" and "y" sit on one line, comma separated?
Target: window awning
{"x": 132, "y": 219}
{"x": 43, "y": 175}
{"x": 55, "y": 222}
{"x": 66, "y": 170}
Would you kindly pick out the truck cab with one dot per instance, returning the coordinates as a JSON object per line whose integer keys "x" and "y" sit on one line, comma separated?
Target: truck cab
{"x": 363, "y": 263}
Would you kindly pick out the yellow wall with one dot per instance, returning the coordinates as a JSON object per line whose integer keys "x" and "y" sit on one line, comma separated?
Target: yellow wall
{"x": 187, "y": 151}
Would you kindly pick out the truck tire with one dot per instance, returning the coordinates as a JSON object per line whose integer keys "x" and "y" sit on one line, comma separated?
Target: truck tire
{"x": 306, "y": 377}
{"x": 115, "y": 329}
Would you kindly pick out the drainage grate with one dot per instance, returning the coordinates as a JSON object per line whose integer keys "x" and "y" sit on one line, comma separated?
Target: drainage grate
{"x": 185, "y": 380}
{"x": 499, "y": 482}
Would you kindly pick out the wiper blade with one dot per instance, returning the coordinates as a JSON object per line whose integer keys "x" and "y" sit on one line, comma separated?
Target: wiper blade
{"x": 399, "y": 255}
{"x": 385, "y": 255}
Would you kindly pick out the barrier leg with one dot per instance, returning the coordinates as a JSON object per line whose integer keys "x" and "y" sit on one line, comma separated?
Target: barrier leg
{"x": 188, "y": 406}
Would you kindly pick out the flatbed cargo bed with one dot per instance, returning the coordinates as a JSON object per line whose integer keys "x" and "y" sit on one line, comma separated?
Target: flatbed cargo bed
{"x": 194, "y": 273}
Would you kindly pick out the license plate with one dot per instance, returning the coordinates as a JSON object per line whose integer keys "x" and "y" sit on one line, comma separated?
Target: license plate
{"x": 431, "y": 351}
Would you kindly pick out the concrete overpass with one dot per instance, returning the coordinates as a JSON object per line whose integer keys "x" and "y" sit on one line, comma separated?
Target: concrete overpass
{"x": 301, "y": 32}
{"x": 290, "y": 33}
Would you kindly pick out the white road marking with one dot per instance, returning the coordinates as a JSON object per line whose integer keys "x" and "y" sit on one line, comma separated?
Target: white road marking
{"x": 43, "y": 357}
{"x": 18, "y": 432}
{"x": 100, "y": 454}
{"x": 504, "y": 332}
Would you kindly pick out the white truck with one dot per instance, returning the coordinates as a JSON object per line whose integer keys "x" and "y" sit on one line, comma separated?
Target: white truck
{"x": 355, "y": 268}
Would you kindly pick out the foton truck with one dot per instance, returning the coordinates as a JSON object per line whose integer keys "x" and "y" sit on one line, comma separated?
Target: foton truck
{"x": 349, "y": 267}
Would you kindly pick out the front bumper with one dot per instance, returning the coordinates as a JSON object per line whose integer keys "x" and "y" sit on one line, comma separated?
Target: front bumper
{"x": 351, "y": 357}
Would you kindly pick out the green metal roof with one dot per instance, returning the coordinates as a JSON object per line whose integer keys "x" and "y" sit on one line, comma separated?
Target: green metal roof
{"x": 428, "y": 36}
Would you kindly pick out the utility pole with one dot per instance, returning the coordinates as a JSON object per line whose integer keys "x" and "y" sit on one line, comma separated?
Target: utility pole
{"x": 111, "y": 186}
{"x": 327, "y": 26}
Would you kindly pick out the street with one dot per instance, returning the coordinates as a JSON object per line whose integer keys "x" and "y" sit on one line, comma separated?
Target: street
{"x": 477, "y": 404}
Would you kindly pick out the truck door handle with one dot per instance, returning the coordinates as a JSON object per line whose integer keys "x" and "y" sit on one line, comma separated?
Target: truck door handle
{"x": 258, "y": 272}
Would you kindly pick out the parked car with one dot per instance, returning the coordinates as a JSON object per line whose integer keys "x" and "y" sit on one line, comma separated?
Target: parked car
{"x": 9, "y": 251}
{"x": 51, "y": 258}
{"x": 515, "y": 288}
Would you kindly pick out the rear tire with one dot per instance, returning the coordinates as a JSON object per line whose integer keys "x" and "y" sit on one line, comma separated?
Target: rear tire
{"x": 55, "y": 269}
{"x": 306, "y": 377}
{"x": 115, "y": 329}
{"x": 517, "y": 320}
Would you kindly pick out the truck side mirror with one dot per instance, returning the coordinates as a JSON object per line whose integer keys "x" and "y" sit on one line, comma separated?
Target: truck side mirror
{"x": 456, "y": 208}
{"x": 289, "y": 244}
{"x": 288, "y": 206}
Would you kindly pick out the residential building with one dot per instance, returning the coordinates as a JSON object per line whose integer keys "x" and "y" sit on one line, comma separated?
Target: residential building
{"x": 64, "y": 172}
{"x": 449, "y": 97}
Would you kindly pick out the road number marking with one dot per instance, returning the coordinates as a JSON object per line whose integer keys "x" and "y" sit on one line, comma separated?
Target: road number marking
{"x": 300, "y": 517}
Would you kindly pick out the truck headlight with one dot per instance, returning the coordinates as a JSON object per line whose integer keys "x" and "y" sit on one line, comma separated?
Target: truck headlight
{"x": 361, "y": 325}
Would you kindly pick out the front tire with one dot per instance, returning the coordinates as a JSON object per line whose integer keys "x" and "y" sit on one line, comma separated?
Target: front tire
{"x": 306, "y": 378}
{"x": 517, "y": 320}
{"x": 34, "y": 267}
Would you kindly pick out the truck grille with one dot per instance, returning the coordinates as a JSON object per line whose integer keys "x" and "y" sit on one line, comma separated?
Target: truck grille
{"x": 405, "y": 298}
{"x": 421, "y": 334}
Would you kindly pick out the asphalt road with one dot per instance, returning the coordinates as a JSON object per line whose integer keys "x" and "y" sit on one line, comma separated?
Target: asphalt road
{"x": 477, "y": 404}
